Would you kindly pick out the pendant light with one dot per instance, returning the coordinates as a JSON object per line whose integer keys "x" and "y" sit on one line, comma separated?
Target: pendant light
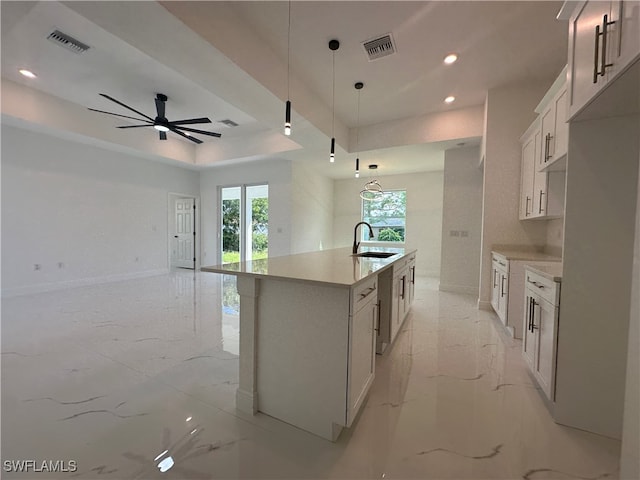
{"x": 358, "y": 87}
{"x": 287, "y": 112}
{"x": 372, "y": 189}
{"x": 333, "y": 46}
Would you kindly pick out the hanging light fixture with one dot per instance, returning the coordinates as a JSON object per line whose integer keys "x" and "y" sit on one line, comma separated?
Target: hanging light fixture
{"x": 372, "y": 189}
{"x": 358, "y": 87}
{"x": 333, "y": 46}
{"x": 287, "y": 112}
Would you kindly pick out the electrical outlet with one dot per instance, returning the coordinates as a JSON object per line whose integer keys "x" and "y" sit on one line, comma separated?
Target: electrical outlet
{"x": 37, "y": 266}
{"x": 454, "y": 233}
{"x": 464, "y": 233}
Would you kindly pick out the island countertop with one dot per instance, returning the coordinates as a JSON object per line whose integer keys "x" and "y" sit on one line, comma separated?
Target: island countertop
{"x": 336, "y": 267}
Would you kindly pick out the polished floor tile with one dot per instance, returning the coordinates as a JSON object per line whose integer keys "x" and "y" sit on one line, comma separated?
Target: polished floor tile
{"x": 137, "y": 379}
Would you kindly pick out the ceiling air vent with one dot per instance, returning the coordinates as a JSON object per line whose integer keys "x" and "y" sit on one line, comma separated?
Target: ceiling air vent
{"x": 229, "y": 123}
{"x": 67, "y": 41}
{"x": 379, "y": 47}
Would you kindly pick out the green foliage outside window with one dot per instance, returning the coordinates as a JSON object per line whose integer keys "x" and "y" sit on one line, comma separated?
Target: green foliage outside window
{"x": 387, "y": 216}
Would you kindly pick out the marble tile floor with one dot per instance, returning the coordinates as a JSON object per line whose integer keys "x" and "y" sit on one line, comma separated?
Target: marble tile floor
{"x": 137, "y": 379}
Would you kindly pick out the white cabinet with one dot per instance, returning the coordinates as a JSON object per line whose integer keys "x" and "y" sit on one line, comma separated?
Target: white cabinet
{"x": 555, "y": 129}
{"x": 604, "y": 38}
{"x": 362, "y": 345}
{"x": 544, "y": 146}
{"x": 540, "y": 330}
{"x": 500, "y": 290}
{"x": 397, "y": 291}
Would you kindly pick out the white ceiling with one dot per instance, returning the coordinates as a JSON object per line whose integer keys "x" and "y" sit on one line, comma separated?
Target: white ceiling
{"x": 228, "y": 60}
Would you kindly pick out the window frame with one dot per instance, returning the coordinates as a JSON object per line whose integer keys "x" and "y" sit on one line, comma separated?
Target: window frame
{"x": 364, "y": 234}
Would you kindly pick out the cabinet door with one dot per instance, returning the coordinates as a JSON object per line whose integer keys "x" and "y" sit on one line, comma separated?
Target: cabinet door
{"x": 528, "y": 165}
{"x": 585, "y": 56}
{"x": 362, "y": 352}
{"x": 495, "y": 289}
{"x": 560, "y": 143}
{"x": 545, "y": 363}
{"x": 504, "y": 297}
{"x": 625, "y": 34}
{"x": 528, "y": 336}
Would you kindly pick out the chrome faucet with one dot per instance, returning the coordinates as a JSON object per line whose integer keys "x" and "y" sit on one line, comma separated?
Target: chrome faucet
{"x": 356, "y": 244}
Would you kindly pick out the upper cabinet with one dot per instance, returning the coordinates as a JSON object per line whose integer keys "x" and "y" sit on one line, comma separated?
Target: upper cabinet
{"x": 544, "y": 151}
{"x": 555, "y": 129}
{"x": 604, "y": 39}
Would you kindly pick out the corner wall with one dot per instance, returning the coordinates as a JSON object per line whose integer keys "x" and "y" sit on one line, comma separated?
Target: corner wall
{"x": 510, "y": 111}
{"x": 84, "y": 214}
{"x": 461, "y": 221}
{"x": 424, "y": 214}
{"x": 311, "y": 210}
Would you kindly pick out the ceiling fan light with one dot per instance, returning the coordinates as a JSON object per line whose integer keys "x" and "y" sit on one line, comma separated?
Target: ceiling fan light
{"x": 161, "y": 128}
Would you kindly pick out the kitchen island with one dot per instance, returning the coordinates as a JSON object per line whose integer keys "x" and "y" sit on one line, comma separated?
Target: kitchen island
{"x": 308, "y": 329}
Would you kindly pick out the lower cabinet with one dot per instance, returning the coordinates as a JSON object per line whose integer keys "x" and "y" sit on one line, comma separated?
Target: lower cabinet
{"x": 397, "y": 291}
{"x": 362, "y": 348}
{"x": 540, "y": 330}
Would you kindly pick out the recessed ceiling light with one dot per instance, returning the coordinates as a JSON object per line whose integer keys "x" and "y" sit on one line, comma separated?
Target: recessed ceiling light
{"x": 449, "y": 59}
{"x": 449, "y": 99}
{"x": 27, "y": 73}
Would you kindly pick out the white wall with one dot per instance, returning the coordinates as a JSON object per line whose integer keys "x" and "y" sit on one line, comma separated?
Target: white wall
{"x": 311, "y": 210}
{"x": 462, "y": 212}
{"x": 555, "y": 236}
{"x": 424, "y": 214}
{"x": 101, "y": 214}
{"x": 510, "y": 111}
{"x": 277, "y": 174}
{"x": 630, "y": 451}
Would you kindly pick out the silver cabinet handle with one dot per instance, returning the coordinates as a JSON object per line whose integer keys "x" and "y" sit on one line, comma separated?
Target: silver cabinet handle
{"x": 596, "y": 55}
{"x": 495, "y": 273}
{"x": 502, "y": 279}
{"x": 404, "y": 280}
{"x": 526, "y": 207}
{"x": 604, "y": 64}
{"x": 540, "y": 209}
{"x": 377, "y": 329}
{"x": 369, "y": 291}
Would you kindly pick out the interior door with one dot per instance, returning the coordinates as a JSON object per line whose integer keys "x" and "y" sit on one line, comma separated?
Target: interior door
{"x": 183, "y": 252}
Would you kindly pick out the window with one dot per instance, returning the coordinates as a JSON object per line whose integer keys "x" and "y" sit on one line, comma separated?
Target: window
{"x": 387, "y": 215}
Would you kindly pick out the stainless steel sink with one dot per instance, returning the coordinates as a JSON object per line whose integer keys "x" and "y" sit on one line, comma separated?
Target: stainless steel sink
{"x": 375, "y": 254}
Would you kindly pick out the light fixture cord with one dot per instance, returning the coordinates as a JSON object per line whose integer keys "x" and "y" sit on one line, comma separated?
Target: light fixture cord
{"x": 358, "y": 126}
{"x": 289, "y": 52}
{"x": 333, "y": 97}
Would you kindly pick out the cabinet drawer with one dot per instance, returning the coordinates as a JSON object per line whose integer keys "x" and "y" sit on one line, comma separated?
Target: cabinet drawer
{"x": 363, "y": 293}
{"x": 500, "y": 263}
{"x": 547, "y": 289}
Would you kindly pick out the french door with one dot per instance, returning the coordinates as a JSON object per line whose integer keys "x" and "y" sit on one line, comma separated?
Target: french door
{"x": 244, "y": 223}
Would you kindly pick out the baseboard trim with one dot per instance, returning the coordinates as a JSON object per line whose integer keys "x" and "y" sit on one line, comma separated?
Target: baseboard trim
{"x": 485, "y": 305}
{"x": 458, "y": 289}
{"x": 247, "y": 402}
{"x": 81, "y": 282}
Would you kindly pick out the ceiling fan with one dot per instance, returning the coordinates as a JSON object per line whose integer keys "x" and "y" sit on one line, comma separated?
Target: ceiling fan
{"x": 161, "y": 123}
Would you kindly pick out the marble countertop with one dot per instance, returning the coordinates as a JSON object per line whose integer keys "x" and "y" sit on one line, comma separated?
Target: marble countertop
{"x": 334, "y": 267}
{"x": 551, "y": 271}
{"x": 514, "y": 254}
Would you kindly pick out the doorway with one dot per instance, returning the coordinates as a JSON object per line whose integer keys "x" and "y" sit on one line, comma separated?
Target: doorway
{"x": 244, "y": 223}
{"x": 182, "y": 231}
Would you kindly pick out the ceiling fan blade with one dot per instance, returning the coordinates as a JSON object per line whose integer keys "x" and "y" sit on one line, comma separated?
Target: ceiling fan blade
{"x": 191, "y": 121}
{"x": 136, "y": 126}
{"x": 193, "y": 139}
{"x": 160, "y": 107}
{"x": 163, "y": 135}
{"x": 202, "y": 132}
{"x": 125, "y": 106}
{"x": 117, "y": 114}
